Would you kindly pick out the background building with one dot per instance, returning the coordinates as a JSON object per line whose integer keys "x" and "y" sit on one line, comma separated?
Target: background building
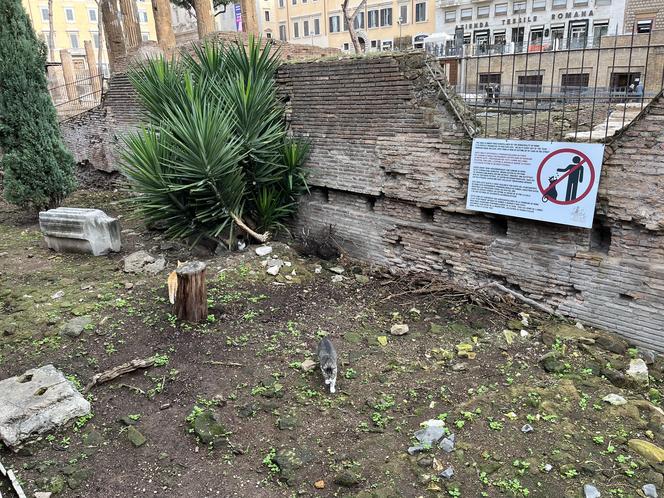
{"x": 76, "y": 21}
{"x": 644, "y": 15}
{"x": 528, "y": 25}
{"x": 184, "y": 21}
{"x": 380, "y": 24}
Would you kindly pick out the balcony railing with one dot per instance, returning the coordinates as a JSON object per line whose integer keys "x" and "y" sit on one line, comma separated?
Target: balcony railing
{"x": 447, "y": 49}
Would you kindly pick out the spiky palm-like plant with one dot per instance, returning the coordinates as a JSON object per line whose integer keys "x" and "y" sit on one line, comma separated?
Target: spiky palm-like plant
{"x": 214, "y": 153}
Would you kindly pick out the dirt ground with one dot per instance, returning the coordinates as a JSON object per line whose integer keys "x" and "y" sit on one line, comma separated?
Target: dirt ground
{"x": 229, "y": 411}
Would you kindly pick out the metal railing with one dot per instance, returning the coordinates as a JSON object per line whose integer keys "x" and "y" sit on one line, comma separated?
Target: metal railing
{"x": 73, "y": 98}
{"x": 588, "y": 93}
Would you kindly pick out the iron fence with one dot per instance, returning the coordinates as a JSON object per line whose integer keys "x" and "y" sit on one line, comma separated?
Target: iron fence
{"x": 581, "y": 90}
{"x": 73, "y": 98}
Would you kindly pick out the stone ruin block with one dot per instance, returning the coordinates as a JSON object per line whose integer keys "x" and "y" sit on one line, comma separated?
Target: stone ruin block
{"x": 37, "y": 401}
{"x": 80, "y": 230}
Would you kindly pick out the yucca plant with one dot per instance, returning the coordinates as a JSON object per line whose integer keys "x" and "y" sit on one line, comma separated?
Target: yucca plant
{"x": 214, "y": 154}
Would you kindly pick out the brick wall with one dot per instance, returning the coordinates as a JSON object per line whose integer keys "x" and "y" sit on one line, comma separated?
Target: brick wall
{"x": 389, "y": 167}
{"x": 93, "y": 136}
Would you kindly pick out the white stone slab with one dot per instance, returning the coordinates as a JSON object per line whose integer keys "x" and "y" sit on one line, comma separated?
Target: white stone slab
{"x": 35, "y": 402}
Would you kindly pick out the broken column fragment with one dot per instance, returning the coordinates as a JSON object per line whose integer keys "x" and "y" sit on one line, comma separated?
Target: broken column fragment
{"x": 80, "y": 230}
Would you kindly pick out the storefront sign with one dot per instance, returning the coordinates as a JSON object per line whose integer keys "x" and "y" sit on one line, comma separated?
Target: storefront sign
{"x": 579, "y": 14}
{"x": 546, "y": 181}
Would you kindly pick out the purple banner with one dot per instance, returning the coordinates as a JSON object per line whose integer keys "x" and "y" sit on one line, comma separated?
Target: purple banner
{"x": 238, "y": 17}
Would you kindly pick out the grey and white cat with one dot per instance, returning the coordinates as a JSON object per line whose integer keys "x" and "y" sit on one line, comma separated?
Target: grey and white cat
{"x": 327, "y": 356}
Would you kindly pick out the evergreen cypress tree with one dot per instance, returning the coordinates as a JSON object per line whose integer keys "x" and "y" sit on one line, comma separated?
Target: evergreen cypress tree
{"x": 38, "y": 169}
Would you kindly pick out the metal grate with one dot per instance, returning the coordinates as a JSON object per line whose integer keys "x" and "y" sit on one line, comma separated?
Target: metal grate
{"x": 578, "y": 89}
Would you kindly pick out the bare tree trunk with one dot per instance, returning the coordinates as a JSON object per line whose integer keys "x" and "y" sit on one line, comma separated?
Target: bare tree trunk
{"x": 191, "y": 293}
{"x": 51, "y": 32}
{"x": 115, "y": 42}
{"x": 204, "y": 17}
{"x": 350, "y": 20}
{"x": 162, "y": 20}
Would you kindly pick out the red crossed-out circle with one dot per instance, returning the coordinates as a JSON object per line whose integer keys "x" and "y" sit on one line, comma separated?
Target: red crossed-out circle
{"x": 585, "y": 160}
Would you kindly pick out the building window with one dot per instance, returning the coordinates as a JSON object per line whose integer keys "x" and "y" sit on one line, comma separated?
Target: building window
{"x": 46, "y": 38}
{"x": 420, "y": 12}
{"x": 574, "y": 81}
{"x": 499, "y": 40}
{"x": 267, "y": 16}
{"x": 536, "y": 39}
{"x": 450, "y": 15}
{"x": 644, "y": 26}
{"x": 489, "y": 79}
{"x": 519, "y": 7}
{"x": 282, "y": 4}
{"x": 95, "y": 39}
{"x": 73, "y": 39}
{"x": 500, "y": 9}
{"x": 317, "y": 26}
{"x": 69, "y": 14}
{"x": 602, "y": 2}
{"x": 44, "y": 13}
{"x": 282, "y": 32}
{"x": 483, "y": 12}
{"x": 386, "y": 17}
{"x": 334, "y": 24}
{"x": 358, "y": 23}
{"x": 346, "y": 47}
{"x": 372, "y": 22}
{"x": 559, "y": 4}
{"x": 387, "y": 45}
{"x": 620, "y": 82}
{"x": 418, "y": 41}
{"x": 296, "y": 30}
{"x": 142, "y": 16}
{"x": 531, "y": 83}
{"x": 403, "y": 14}
{"x": 268, "y": 35}
{"x": 344, "y": 23}
{"x": 539, "y": 4}
{"x": 305, "y": 27}
{"x": 145, "y": 36}
{"x": 375, "y": 44}
{"x": 92, "y": 15}
{"x": 466, "y": 14}
{"x": 580, "y": 3}
{"x": 294, "y": 2}
{"x": 600, "y": 30}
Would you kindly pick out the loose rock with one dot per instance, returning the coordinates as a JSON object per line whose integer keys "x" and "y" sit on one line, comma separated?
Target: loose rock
{"x": 76, "y": 326}
{"x": 135, "y": 437}
{"x": 527, "y": 428}
{"x": 651, "y": 452}
{"x": 399, "y": 329}
{"x": 37, "y": 401}
{"x": 591, "y": 491}
{"x": 142, "y": 262}
{"x": 308, "y": 365}
{"x": 614, "y": 399}
{"x": 346, "y": 479}
{"x": 432, "y": 432}
{"x": 447, "y": 473}
{"x": 638, "y": 371}
{"x": 263, "y": 250}
{"x": 447, "y": 444}
{"x": 319, "y": 484}
{"x": 650, "y": 490}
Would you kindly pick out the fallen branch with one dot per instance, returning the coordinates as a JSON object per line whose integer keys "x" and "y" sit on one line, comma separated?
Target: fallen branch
{"x": 137, "y": 390}
{"x": 224, "y": 363}
{"x": 259, "y": 237}
{"x": 521, "y": 297}
{"x": 115, "y": 372}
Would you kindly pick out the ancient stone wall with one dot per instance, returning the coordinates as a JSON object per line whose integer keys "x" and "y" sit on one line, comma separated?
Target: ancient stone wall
{"x": 389, "y": 166}
{"x": 93, "y": 136}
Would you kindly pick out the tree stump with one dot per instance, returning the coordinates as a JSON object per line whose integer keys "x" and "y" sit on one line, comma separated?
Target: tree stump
{"x": 191, "y": 294}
